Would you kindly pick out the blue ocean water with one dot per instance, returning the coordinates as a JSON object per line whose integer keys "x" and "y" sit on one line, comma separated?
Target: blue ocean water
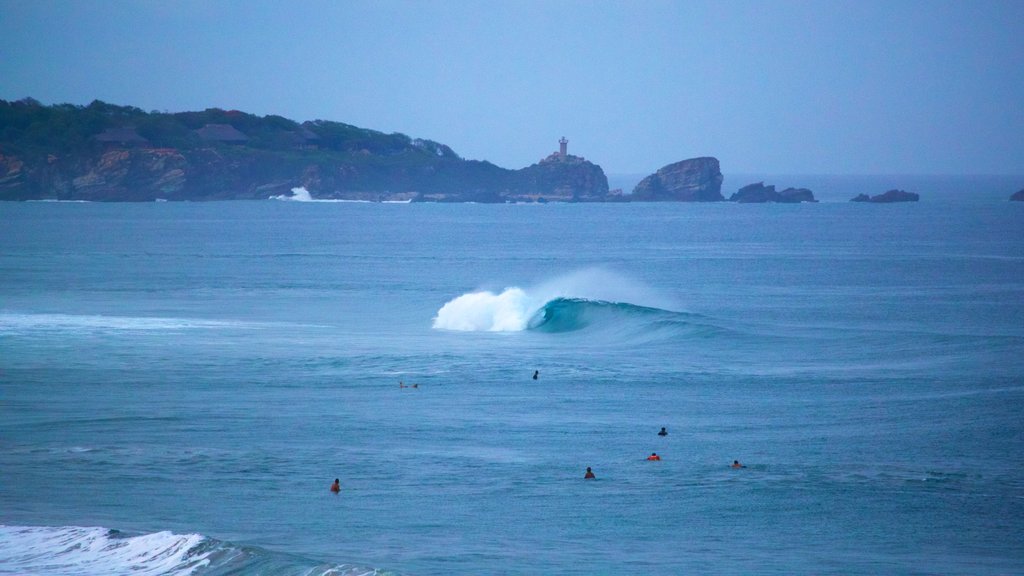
{"x": 180, "y": 383}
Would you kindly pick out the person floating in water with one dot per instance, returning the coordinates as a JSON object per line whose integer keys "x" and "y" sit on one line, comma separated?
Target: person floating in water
{"x": 536, "y": 374}
{"x": 663, "y": 432}
{"x": 654, "y": 456}
{"x": 402, "y": 384}
{"x": 736, "y": 464}
{"x": 589, "y": 475}
{"x": 336, "y": 487}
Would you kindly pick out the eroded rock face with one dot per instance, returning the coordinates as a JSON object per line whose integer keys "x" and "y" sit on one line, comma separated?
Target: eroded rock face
{"x": 693, "y": 180}
{"x": 890, "y": 196}
{"x": 759, "y": 193}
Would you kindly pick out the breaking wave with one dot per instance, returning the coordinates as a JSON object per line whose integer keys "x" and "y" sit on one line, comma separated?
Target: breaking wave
{"x": 574, "y": 302}
{"x": 300, "y": 194}
{"x": 74, "y": 551}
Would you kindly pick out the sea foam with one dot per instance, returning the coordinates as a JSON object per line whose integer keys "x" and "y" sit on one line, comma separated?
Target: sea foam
{"x": 78, "y": 550}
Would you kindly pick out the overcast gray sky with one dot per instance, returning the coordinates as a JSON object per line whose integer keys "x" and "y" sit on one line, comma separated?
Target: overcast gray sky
{"x": 808, "y": 87}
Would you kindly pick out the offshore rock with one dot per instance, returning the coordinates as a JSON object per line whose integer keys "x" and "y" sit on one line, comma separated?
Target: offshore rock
{"x": 1018, "y": 196}
{"x": 888, "y": 197}
{"x": 759, "y": 193}
{"x": 693, "y": 180}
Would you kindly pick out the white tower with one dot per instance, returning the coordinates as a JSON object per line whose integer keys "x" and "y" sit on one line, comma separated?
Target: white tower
{"x": 563, "y": 145}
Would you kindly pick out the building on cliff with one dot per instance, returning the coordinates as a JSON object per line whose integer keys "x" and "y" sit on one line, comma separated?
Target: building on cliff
{"x": 221, "y": 133}
{"x": 562, "y": 154}
{"x": 121, "y": 136}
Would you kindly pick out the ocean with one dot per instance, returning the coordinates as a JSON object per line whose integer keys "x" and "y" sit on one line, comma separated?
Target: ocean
{"x": 180, "y": 384}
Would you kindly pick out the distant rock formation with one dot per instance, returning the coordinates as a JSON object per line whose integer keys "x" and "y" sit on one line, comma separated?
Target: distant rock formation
{"x": 559, "y": 177}
{"x": 890, "y": 196}
{"x": 758, "y": 192}
{"x": 1018, "y": 196}
{"x": 693, "y": 180}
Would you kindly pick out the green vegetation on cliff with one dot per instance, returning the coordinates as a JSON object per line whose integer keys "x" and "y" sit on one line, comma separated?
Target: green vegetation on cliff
{"x": 108, "y": 152}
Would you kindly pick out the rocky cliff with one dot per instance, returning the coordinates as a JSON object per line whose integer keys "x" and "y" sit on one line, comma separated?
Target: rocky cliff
{"x": 890, "y": 196}
{"x": 565, "y": 178}
{"x": 104, "y": 152}
{"x": 693, "y": 180}
{"x": 757, "y": 193}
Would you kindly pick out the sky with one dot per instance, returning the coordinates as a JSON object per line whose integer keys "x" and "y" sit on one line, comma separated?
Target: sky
{"x": 771, "y": 87}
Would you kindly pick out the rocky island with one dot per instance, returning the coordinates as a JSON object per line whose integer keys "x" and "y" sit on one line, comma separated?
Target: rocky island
{"x": 888, "y": 197}
{"x": 105, "y": 152}
{"x": 758, "y": 193}
{"x": 1018, "y": 196}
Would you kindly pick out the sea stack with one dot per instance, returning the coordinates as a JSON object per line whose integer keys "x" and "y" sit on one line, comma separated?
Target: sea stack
{"x": 693, "y": 180}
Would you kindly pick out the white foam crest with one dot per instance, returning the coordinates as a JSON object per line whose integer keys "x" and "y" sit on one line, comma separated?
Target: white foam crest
{"x": 481, "y": 311}
{"x": 512, "y": 309}
{"x": 299, "y": 194}
{"x": 88, "y": 551}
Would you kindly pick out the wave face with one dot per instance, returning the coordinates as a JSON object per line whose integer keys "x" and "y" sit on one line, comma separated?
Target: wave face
{"x": 571, "y": 314}
{"x": 74, "y": 551}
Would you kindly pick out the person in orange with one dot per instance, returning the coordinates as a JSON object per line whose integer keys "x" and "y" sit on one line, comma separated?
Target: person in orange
{"x": 654, "y": 456}
{"x": 589, "y": 475}
{"x": 336, "y": 487}
{"x": 736, "y": 464}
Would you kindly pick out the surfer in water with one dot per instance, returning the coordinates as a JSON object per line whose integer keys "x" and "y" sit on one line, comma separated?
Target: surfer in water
{"x": 736, "y": 464}
{"x": 336, "y": 487}
{"x": 654, "y": 456}
{"x": 536, "y": 374}
{"x": 589, "y": 475}
{"x": 663, "y": 432}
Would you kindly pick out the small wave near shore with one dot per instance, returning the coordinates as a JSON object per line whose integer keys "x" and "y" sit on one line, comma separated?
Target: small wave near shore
{"x": 86, "y": 551}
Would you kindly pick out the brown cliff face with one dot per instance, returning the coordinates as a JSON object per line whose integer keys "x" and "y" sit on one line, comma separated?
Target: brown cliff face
{"x": 131, "y": 174}
{"x": 693, "y": 180}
